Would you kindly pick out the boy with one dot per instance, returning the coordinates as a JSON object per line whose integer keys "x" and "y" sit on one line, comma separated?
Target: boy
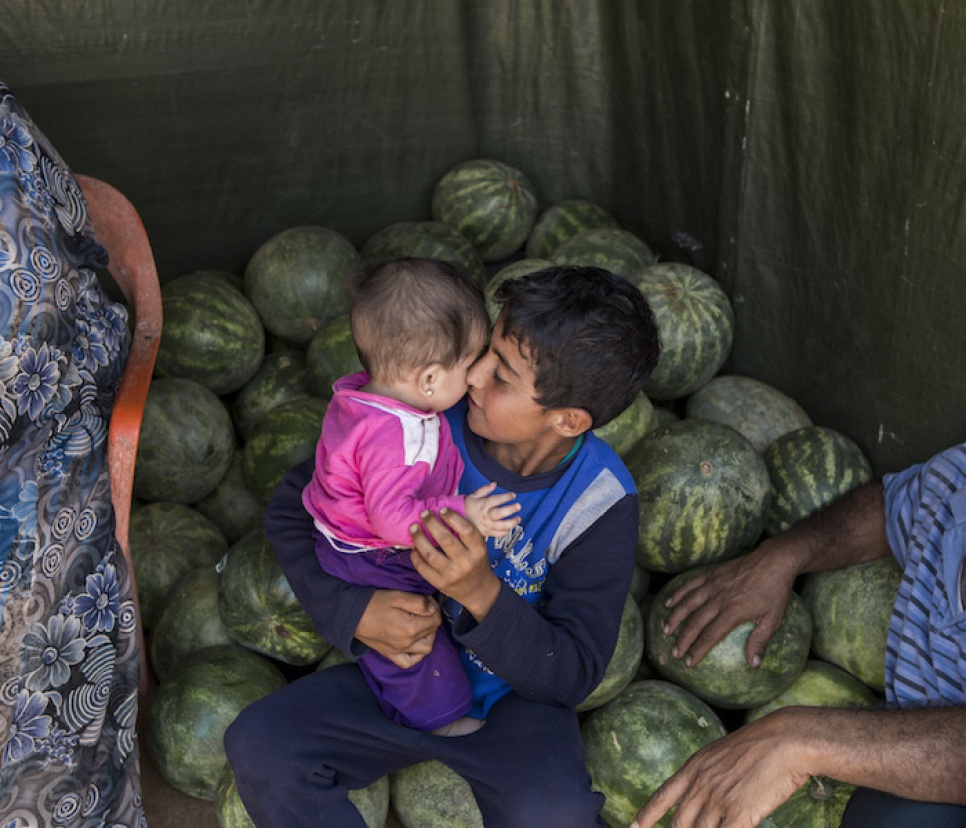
{"x": 535, "y": 615}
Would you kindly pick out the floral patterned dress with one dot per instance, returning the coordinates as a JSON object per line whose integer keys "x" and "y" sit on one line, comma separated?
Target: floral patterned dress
{"x": 68, "y": 648}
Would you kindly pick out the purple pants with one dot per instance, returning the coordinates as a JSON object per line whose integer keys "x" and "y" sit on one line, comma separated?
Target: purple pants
{"x": 433, "y": 692}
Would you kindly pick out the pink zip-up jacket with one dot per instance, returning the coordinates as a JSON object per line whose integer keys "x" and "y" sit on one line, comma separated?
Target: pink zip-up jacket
{"x": 378, "y": 465}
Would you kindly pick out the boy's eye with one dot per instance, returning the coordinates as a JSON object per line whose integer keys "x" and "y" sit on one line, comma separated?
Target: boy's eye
{"x": 498, "y": 379}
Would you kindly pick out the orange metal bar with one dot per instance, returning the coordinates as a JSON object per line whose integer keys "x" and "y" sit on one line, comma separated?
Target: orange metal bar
{"x": 118, "y": 227}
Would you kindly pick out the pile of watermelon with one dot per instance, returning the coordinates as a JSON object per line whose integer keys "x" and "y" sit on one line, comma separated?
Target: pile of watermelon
{"x": 242, "y": 382}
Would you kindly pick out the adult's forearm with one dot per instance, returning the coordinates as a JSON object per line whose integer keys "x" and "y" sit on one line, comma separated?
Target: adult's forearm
{"x": 916, "y": 754}
{"x": 848, "y": 531}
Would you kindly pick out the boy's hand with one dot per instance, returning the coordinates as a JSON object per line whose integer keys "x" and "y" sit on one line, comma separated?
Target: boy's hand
{"x": 492, "y": 514}
{"x": 399, "y": 625}
{"x": 450, "y": 554}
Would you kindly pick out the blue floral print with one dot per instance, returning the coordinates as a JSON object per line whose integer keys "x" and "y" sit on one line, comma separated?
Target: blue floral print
{"x": 68, "y": 652}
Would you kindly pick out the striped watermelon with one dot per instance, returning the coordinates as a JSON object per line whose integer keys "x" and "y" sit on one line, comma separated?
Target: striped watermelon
{"x": 696, "y": 323}
{"x": 331, "y": 354}
{"x": 637, "y": 741}
{"x": 296, "y": 280}
{"x": 491, "y": 203}
{"x": 629, "y": 426}
{"x": 809, "y": 468}
{"x": 232, "y": 506}
{"x": 281, "y": 377}
{"x": 723, "y": 677}
{"x": 562, "y": 221}
{"x": 624, "y": 661}
{"x": 519, "y": 268}
{"x": 851, "y": 609}
{"x": 190, "y": 711}
{"x": 167, "y": 541}
{"x": 283, "y": 438}
{"x": 819, "y": 803}
{"x": 425, "y": 240}
{"x": 189, "y": 621}
{"x": 759, "y": 411}
{"x": 211, "y": 333}
{"x": 186, "y": 443}
{"x": 432, "y": 795}
{"x": 259, "y": 609}
{"x": 611, "y": 248}
{"x": 703, "y": 492}
{"x": 820, "y": 684}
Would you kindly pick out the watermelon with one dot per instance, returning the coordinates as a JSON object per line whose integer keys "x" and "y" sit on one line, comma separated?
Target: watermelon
{"x": 759, "y": 411}
{"x": 283, "y": 438}
{"x": 820, "y": 684}
{"x": 637, "y": 741}
{"x": 281, "y": 377}
{"x": 167, "y": 541}
{"x": 611, "y": 248}
{"x": 186, "y": 442}
{"x": 521, "y": 267}
{"x": 696, "y": 323}
{"x": 819, "y": 803}
{"x": 334, "y": 657}
{"x": 490, "y": 202}
{"x": 562, "y": 221}
{"x": 809, "y": 468}
{"x": 331, "y": 354}
{"x": 190, "y": 711}
{"x": 629, "y": 426}
{"x": 232, "y": 506}
{"x": 432, "y": 795}
{"x": 425, "y": 240}
{"x": 212, "y": 333}
{"x": 371, "y": 802}
{"x": 703, "y": 494}
{"x": 296, "y": 280}
{"x": 189, "y": 621}
{"x": 723, "y": 677}
{"x": 259, "y": 609}
{"x": 625, "y": 660}
{"x": 851, "y": 609}
{"x": 640, "y": 583}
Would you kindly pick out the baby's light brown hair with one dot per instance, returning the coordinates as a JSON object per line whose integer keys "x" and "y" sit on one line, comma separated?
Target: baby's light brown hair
{"x": 410, "y": 313}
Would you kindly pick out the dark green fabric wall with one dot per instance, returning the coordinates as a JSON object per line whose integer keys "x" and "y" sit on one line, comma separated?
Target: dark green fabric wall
{"x": 808, "y": 154}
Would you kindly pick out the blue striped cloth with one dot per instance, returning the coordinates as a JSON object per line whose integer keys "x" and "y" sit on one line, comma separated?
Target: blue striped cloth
{"x": 926, "y": 526}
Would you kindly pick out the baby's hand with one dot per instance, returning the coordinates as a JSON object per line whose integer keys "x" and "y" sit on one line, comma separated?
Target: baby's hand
{"x": 492, "y": 514}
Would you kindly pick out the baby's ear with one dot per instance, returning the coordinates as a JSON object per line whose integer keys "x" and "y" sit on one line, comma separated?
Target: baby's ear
{"x": 572, "y": 422}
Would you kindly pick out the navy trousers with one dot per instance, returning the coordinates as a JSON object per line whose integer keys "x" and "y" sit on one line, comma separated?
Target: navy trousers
{"x": 297, "y": 752}
{"x": 874, "y": 809}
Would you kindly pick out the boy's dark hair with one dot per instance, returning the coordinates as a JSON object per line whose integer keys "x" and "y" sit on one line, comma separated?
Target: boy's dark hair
{"x": 412, "y": 312}
{"x": 590, "y": 335}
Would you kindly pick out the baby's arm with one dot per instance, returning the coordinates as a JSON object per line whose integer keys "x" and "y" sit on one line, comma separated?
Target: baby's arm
{"x": 491, "y": 514}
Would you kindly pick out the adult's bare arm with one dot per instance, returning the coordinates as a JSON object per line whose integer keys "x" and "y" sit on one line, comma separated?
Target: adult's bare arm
{"x": 739, "y": 779}
{"x": 755, "y": 587}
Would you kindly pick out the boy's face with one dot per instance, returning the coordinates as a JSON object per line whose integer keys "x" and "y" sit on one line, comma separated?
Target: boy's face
{"x": 502, "y": 398}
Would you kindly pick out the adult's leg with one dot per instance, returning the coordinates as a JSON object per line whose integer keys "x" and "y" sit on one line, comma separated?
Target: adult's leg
{"x": 869, "y": 808}
{"x": 297, "y": 752}
{"x": 526, "y": 767}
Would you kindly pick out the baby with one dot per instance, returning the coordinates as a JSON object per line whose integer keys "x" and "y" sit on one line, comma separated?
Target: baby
{"x": 385, "y": 456}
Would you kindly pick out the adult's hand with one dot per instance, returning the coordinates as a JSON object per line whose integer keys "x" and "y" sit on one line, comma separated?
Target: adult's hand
{"x": 453, "y": 559}
{"x": 736, "y": 781}
{"x": 753, "y": 587}
{"x": 399, "y": 625}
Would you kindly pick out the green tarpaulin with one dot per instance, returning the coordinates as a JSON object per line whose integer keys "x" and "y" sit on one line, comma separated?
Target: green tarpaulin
{"x": 809, "y": 154}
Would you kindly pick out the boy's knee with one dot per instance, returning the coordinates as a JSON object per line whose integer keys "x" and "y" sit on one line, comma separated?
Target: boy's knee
{"x": 547, "y": 803}
{"x": 250, "y": 741}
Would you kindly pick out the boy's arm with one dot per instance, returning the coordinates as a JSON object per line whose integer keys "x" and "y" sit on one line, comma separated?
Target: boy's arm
{"x": 399, "y": 625}
{"x": 334, "y": 606}
{"x": 557, "y": 651}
